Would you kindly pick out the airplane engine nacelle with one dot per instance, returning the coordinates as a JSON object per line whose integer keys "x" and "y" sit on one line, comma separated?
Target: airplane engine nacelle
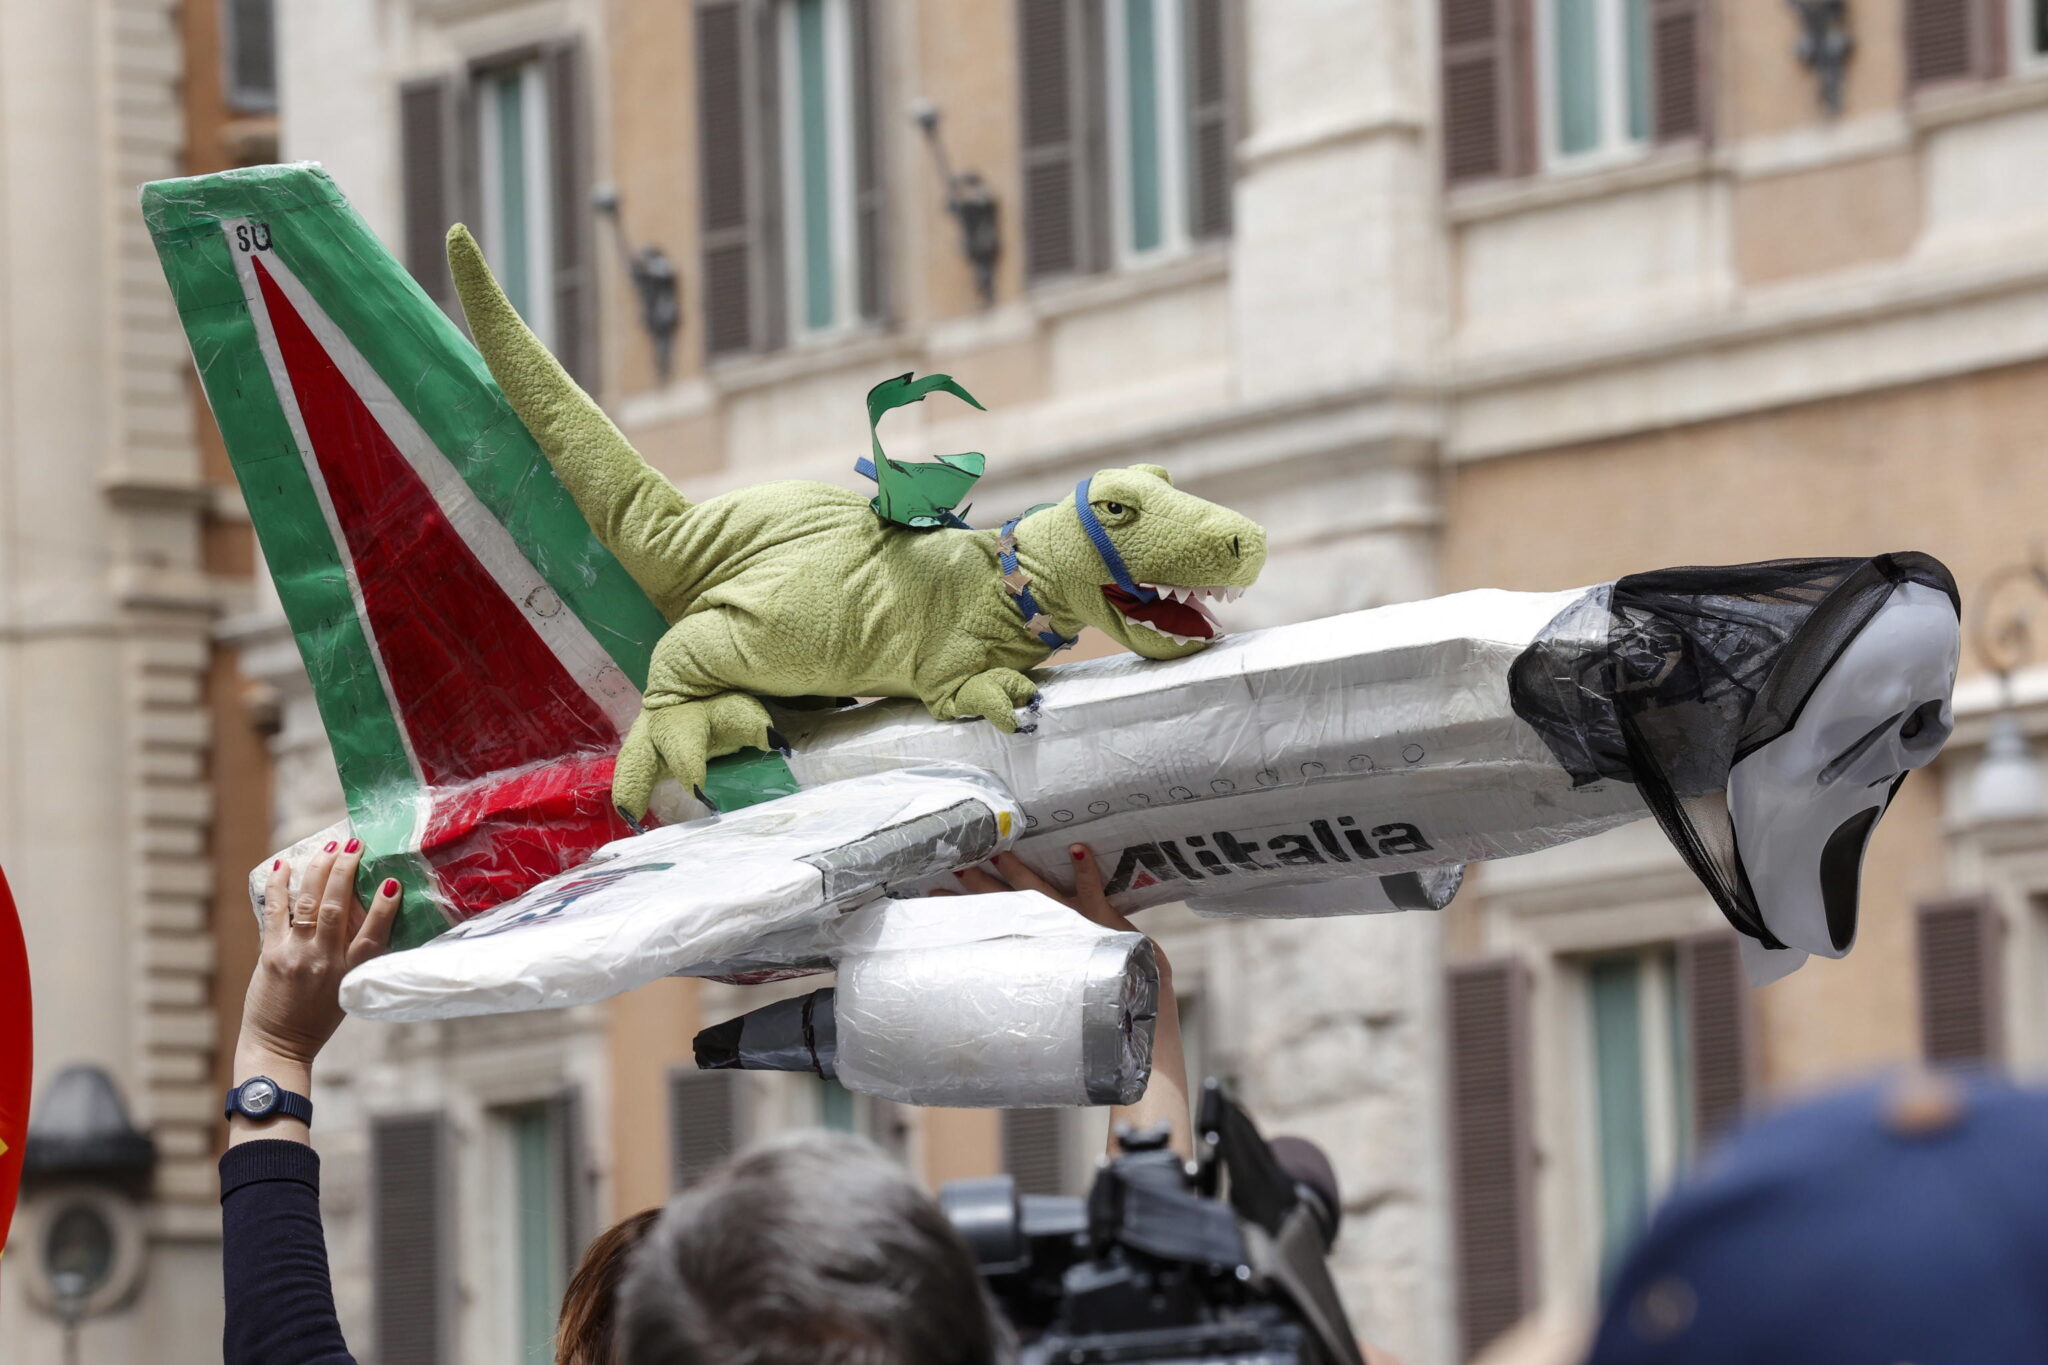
{"x": 1009, "y": 1022}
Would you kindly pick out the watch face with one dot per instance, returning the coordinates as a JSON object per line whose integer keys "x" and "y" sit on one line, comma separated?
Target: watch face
{"x": 258, "y": 1098}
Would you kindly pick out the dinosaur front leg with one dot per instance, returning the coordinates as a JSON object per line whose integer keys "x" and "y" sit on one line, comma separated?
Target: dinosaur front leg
{"x": 689, "y": 716}
{"x": 994, "y": 695}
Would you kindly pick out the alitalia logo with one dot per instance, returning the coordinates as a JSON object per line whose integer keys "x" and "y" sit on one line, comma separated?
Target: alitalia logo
{"x": 1198, "y": 857}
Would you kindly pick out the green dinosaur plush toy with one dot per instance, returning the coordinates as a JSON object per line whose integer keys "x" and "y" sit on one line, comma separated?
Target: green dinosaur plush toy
{"x": 800, "y": 589}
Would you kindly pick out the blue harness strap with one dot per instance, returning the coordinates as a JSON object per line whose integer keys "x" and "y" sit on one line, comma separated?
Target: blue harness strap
{"x": 1019, "y": 587}
{"x": 1104, "y": 547}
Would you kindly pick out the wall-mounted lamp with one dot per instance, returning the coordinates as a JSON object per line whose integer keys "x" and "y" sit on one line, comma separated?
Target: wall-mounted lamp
{"x": 2009, "y": 784}
{"x": 1825, "y": 45}
{"x": 971, "y": 202}
{"x": 655, "y": 281}
{"x": 84, "y": 1167}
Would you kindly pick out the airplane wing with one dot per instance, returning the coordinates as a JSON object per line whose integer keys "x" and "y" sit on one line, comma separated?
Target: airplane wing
{"x": 752, "y": 890}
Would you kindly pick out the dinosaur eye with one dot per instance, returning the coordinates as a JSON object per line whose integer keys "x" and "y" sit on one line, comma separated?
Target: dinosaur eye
{"x": 1115, "y": 509}
{"x": 1116, "y": 513}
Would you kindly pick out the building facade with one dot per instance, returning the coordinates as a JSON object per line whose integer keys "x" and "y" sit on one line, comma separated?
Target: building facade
{"x": 1446, "y": 293}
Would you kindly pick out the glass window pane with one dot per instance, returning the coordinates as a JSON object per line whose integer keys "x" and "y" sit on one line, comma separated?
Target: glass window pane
{"x": 835, "y": 1106}
{"x": 1141, "y": 90}
{"x": 814, "y": 142}
{"x": 1575, "y": 39}
{"x": 1680, "y": 1036}
{"x": 514, "y": 249}
{"x": 1613, "y": 990}
{"x": 2040, "y": 26}
{"x": 1636, "y": 62}
{"x": 538, "y": 1230}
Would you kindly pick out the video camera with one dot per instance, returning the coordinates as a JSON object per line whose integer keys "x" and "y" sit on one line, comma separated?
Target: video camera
{"x": 1220, "y": 1261}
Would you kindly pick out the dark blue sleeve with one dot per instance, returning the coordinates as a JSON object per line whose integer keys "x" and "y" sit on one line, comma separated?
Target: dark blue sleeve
{"x": 280, "y": 1304}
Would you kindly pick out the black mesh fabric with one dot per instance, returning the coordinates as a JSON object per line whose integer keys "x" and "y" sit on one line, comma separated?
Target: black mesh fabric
{"x": 1666, "y": 679}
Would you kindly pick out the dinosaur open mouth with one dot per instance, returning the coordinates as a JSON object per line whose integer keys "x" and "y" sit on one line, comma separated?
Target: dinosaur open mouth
{"x": 1176, "y": 613}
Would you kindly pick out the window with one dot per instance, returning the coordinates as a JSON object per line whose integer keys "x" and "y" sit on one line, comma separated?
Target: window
{"x": 818, "y": 103}
{"x": 515, "y": 172}
{"x": 536, "y": 1240}
{"x": 1148, "y": 143}
{"x": 1127, "y": 130}
{"x": 249, "y": 51}
{"x": 1640, "y": 1084}
{"x": 2031, "y": 24}
{"x": 1596, "y": 78}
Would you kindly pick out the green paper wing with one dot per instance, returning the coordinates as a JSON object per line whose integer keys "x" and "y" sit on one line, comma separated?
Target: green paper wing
{"x": 920, "y": 494}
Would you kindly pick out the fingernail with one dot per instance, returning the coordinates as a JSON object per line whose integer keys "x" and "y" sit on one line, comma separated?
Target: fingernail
{"x": 1078, "y": 851}
{"x": 391, "y": 886}
{"x": 331, "y": 846}
{"x": 352, "y": 845}
{"x": 276, "y": 865}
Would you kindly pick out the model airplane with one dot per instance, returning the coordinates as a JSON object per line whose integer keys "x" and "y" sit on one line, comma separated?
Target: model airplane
{"x": 477, "y": 656}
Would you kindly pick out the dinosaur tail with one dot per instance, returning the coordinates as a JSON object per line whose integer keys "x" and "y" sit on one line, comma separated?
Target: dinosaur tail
{"x": 475, "y": 653}
{"x": 624, "y": 499}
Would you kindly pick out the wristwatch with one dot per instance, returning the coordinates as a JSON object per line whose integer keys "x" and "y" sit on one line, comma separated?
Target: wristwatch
{"x": 261, "y": 1098}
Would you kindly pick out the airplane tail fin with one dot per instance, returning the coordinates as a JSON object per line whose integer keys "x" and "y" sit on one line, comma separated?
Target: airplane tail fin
{"x": 476, "y": 654}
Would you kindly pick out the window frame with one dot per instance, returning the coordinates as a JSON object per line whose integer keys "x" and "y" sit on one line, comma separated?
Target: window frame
{"x": 1614, "y": 146}
{"x": 537, "y": 118}
{"x": 2026, "y": 59}
{"x": 841, "y": 195}
{"x": 1170, "y": 100}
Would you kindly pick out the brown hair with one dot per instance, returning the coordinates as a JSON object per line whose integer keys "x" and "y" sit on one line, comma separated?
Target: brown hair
{"x": 583, "y": 1334}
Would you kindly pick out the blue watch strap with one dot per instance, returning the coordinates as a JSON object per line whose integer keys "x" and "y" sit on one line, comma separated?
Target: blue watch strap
{"x": 286, "y": 1104}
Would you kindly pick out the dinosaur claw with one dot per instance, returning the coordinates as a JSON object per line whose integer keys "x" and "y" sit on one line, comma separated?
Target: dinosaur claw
{"x": 636, "y": 826}
{"x": 1036, "y": 698}
{"x": 1030, "y": 729}
{"x": 778, "y": 743}
{"x": 709, "y": 804}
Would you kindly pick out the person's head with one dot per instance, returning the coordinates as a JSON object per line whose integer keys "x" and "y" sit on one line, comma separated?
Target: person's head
{"x": 1906, "y": 1221}
{"x": 811, "y": 1250}
{"x": 584, "y": 1332}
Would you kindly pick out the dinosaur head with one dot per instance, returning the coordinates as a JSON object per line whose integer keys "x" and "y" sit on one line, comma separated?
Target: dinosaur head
{"x": 1176, "y": 550}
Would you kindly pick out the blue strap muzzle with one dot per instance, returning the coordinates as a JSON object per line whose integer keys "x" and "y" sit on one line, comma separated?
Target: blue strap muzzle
{"x": 1105, "y": 547}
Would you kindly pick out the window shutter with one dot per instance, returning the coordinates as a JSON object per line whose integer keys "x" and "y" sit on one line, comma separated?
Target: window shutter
{"x": 706, "y": 1122}
{"x": 736, "y": 143}
{"x": 1678, "y": 75}
{"x": 574, "y": 282}
{"x": 1492, "y": 1149}
{"x": 1060, "y": 53}
{"x": 1210, "y": 26}
{"x": 428, "y": 125}
{"x": 565, "y": 1117}
{"x": 1950, "y": 40}
{"x": 1488, "y": 88}
{"x": 1960, "y": 1000}
{"x": 1035, "y": 1149}
{"x": 412, "y": 1263}
{"x": 869, "y": 223}
{"x": 1717, "y": 1031}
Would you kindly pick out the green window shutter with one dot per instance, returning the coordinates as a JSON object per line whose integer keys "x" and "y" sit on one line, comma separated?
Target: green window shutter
{"x": 1211, "y": 27}
{"x": 1678, "y": 68}
{"x": 706, "y": 1121}
{"x": 1961, "y": 1000}
{"x": 1493, "y": 1151}
{"x": 1715, "y": 1034}
{"x": 427, "y": 132}
{"x": 870, "y": 225}
{"x": 1061, "y": 81}
{"x": 1487, "y": 77}
{"x": 738, "y": 176}
{"x": 413, "y": 1256}
{"x": 1035, "y": 1149}
{"x": 570, "y": 162}
{"x": 578, "y": 1180}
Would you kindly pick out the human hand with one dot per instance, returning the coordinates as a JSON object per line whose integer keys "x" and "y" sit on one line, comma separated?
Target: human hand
{"x": 1087, "y": 899}
{"x": 310, "y": 941}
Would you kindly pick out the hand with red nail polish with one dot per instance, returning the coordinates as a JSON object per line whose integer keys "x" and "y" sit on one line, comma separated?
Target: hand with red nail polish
{"x": 312, "y": 936}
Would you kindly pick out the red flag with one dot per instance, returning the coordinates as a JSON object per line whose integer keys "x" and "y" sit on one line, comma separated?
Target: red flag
{"x": 16, "y": 1024}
